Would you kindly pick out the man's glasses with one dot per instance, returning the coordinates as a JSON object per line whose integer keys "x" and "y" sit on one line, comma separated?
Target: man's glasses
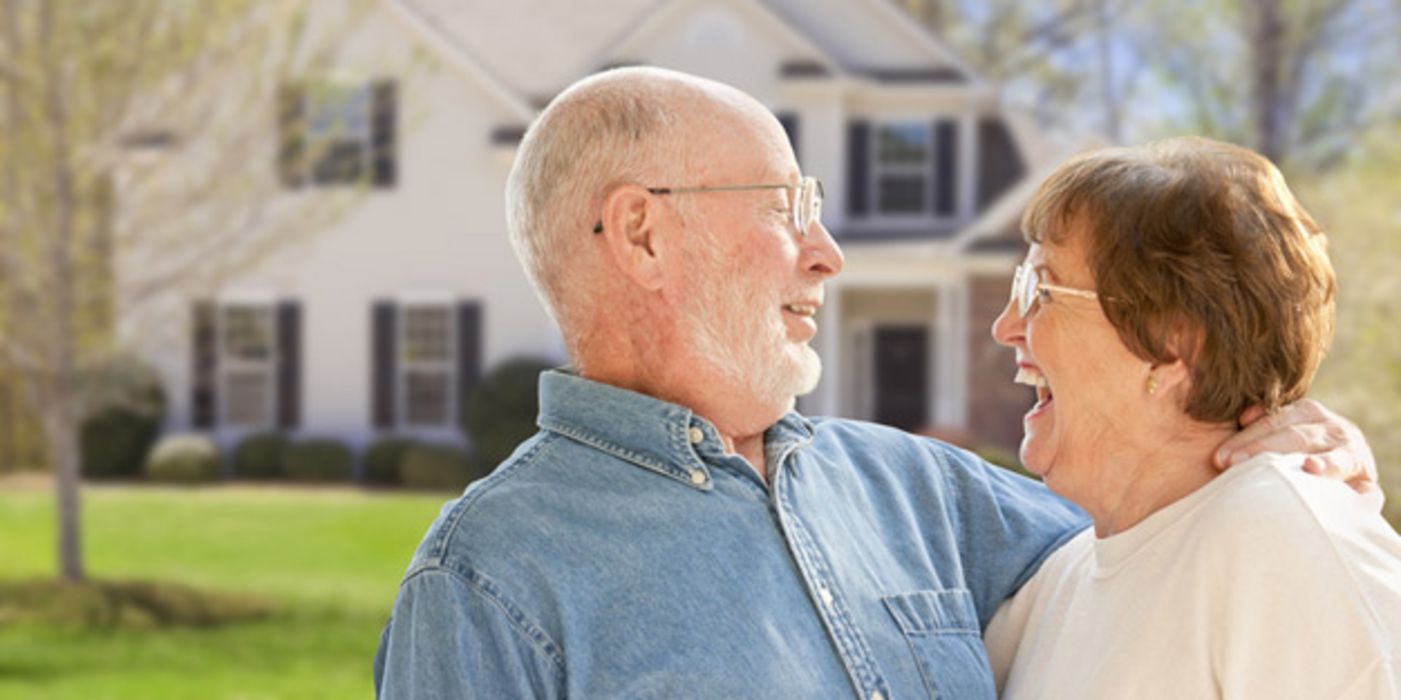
{"x": 1029, "y": 290}
{"x": 804, "y": 199}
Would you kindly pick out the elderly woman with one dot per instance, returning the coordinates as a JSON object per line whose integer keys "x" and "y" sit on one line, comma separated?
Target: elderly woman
{"x": 1167, "y": 289}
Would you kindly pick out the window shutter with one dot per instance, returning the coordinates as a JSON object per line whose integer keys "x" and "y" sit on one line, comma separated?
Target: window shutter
{"x": 945, "y": 167}
{"x": 291, "y": 125}
{"x": 858, "y": 159}
{"x": 469, "y": 352}
{"x": 289, "y": 364}
{"x": 1000, "y": 164}
{"x": 789, "y": 121}
{"x": 382, "y": 137}
{"x": 204, "y": 375}
{"x": 384, "y": 348}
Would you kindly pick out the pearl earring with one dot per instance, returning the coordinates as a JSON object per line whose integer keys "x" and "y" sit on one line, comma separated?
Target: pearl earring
{"x": 1152, "y": 386}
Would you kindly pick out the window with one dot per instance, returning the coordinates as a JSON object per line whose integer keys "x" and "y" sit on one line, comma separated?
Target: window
{"x": 247, "y": 363}
{"x": 426, "y": 362}
{"x": 338, "y": 134}
{"x": 902, "y": 168}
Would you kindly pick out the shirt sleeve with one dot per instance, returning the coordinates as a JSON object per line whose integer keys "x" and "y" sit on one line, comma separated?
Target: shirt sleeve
{"x": 450, "y": 637}
{"x": 1007, "y": 526}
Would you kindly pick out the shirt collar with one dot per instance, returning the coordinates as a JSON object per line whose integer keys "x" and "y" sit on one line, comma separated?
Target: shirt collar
{"x": 646, "y": 431}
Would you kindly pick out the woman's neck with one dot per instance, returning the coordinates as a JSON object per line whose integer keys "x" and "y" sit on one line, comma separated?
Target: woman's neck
{"x": 1158, "y": 477}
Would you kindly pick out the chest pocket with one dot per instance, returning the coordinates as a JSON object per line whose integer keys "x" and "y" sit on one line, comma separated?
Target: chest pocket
{"x": 942, "y": 630}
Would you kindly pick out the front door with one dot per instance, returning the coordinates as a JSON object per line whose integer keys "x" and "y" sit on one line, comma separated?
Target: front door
{"x": 902, "y": 376}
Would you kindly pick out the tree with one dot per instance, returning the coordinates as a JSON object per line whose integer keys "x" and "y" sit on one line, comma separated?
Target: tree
{"x": 90, "y": 90}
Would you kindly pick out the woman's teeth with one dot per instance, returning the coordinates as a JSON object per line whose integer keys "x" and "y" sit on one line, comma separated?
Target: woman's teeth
{"x": 1030, "y": 377}
{"x": 801, "y": 309}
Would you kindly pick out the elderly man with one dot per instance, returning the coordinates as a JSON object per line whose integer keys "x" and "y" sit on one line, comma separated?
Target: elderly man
{"x": 675, "y": 529}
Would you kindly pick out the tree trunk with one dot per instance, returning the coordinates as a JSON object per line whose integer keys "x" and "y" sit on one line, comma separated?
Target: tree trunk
{"x": 1265, "y": 27}
{"x": 61, "y": 381}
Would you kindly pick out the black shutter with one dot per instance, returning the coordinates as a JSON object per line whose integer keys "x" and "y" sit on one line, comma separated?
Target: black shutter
{"x": 469, "y": 352}
{"x": 858, "y": 157}
{"x": 289, "y": 364}
{"x": 291, "y": 125}
{"x": 384, "y": 348}
{"x": 204, "y": 374}
{"x": 1000, "y": 164}
{"x": 945, "y": 167}
{"x": 789, "y": 121}
{"x": 382, "y": 137}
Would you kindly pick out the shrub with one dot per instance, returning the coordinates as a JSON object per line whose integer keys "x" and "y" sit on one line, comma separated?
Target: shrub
{"x": 384, "y": 458}
{"x": 438, "y": 467}
{"x": 259, "y": 456}
{"x": 184, "y": 458}
{"x": 317, "y": 460}
{"x": 123, "y": 406}
{"x": 501, "y": 412}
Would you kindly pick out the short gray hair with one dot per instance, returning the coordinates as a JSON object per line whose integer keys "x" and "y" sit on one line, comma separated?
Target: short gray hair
{"x": 608, "y": 129}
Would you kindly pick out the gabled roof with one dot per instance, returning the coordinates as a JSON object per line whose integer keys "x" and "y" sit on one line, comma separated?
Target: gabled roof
{"x": 534, "y": 48}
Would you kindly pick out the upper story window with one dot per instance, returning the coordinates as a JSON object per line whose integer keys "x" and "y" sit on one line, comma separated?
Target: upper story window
{"x": 902, "y": 170}
{"x": 247, "y": 364}
{"x": 338, "y": 134}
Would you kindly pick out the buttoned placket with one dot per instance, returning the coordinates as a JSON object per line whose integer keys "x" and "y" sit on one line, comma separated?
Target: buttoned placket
{"x": 822, "y": 586}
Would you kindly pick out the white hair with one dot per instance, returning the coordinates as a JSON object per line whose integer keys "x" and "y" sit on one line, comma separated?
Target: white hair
{"x": 614, "y": 127}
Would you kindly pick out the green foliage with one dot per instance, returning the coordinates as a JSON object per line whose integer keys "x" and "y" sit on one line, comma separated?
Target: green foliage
{"x": 184, "y": 458}
{"x": 124, "y": 604}
{"x": 317, "y": 460}
{"x": 384, "y": 458}
{"x": 259, "y": 456}
{"x": 438, "y": 467}
{"x": 124, "y": 405}
{"x": 501, "y": 412}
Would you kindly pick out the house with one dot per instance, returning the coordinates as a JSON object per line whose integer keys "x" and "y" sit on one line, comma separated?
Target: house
{"x": 385, "y": 321}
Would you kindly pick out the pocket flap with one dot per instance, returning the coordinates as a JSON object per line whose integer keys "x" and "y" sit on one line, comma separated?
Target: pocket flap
{"x": 932, "y": 612}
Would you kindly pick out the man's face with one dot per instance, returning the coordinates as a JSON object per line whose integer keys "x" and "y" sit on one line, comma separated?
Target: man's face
{"x": 752, "y": 283}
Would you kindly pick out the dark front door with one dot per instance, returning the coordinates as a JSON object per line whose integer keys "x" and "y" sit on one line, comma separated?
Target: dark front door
{"x": 902, "y": 376}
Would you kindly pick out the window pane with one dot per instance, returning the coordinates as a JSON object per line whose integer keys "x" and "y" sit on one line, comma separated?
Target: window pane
{"x": 247, "y": 397}
{"x": 426, "y": 397}
{"x": 426, "y": 337}
{"x": 903, "y": 143}
{"x": 248, "y": 333}
{"x": 901, "y": 194}
{"x": 338, "y": 133}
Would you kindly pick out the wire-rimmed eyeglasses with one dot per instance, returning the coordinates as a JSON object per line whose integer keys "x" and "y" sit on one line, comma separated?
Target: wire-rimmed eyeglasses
{"x": 1029, "y": 290}
{"x": 804, "y": 199}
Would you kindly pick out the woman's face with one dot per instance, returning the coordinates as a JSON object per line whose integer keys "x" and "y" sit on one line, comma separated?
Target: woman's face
{"x": 1091, "y": 391}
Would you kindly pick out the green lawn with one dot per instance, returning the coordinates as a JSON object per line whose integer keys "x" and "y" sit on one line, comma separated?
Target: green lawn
{"x": 331, "y": 558}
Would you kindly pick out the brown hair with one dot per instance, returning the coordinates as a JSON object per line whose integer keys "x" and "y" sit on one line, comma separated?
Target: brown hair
{"x": 1200, "y": 251}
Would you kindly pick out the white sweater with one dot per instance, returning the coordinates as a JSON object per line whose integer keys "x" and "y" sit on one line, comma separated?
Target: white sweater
{"x": 1265, "y": 583}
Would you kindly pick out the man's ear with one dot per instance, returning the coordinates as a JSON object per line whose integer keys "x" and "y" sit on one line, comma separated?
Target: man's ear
{"x": 630, "y": 223}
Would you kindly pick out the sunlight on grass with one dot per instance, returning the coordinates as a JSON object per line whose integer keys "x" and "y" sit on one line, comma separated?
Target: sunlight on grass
{"x": 331, "y": 559}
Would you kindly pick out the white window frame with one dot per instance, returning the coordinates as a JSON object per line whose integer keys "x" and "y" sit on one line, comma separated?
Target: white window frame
{"x": 875, "y": 169}
{"x": 228, "y": 364}
{"x": 403, "y": 367}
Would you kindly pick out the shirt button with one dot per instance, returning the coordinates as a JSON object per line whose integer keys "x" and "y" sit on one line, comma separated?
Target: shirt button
{"x": 695, "y": 435}
{"x": 825, "y": 595}
{"x": 697, "y": 477}
{"x": 877, "y": 696}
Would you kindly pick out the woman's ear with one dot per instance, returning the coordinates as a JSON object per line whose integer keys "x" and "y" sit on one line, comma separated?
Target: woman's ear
{"x": 630, "y": 224}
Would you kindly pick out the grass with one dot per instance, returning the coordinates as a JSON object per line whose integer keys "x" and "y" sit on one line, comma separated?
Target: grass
{"x": 329, "y": 559}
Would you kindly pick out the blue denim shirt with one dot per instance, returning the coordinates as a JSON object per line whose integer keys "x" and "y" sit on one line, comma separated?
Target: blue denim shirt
{"x": 620, "y": 553}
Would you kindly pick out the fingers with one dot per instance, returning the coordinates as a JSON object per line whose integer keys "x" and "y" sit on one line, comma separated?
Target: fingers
{"x": 1303, "y": 426}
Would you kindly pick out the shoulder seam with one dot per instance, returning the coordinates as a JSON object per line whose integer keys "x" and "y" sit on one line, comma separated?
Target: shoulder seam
{"x": 502, "y": 473}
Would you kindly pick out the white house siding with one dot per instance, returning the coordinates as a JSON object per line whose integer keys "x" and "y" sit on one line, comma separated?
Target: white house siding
{"x": 439, "y": 232}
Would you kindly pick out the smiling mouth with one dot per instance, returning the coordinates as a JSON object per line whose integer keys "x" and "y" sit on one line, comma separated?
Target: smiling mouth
{"x": 808, "y": 310}
{"x": 1034, "y": 378}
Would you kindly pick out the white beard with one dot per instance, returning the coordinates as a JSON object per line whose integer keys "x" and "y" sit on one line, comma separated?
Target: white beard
{"x": 744, "y": 341}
